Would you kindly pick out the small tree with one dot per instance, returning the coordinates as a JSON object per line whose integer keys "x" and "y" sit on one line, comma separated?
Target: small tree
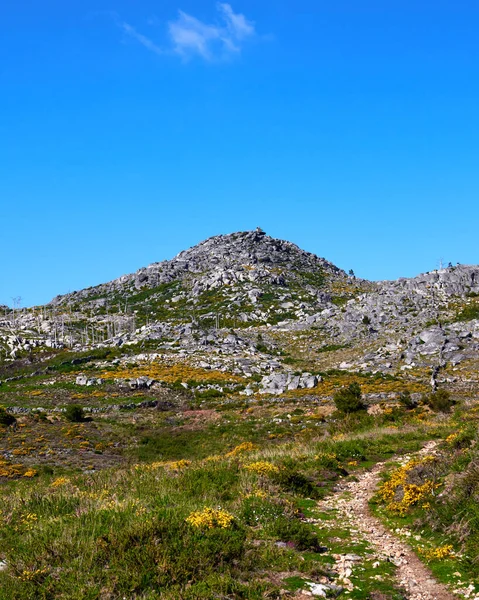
{"x": 406, "y": 400}
{"x": 349, "y": 400}
{"x": 439, "y": 401}
{"x": 74, "y": 413}
{"x": 6, "y": 418}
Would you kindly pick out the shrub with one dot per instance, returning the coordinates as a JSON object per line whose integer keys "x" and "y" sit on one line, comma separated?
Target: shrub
{"x": 262, "y": 468}
{"x": 40, "y": 416}
{"x": 210, "y": 393}
{"x": 406, "y": 400}
{"x": 439, "y": 401}
{"x": 257, "y": 510}
{"x": 469, "y": 313}
{"x": 349, "y": 400}
{"x": 74, "y": 413}
{"x": 6, "y": 418}
{"x": 293, "y": 481}
{"x": 209, "y": 518}
{"x": 366, "y": 320}
{"x": 297, "y": 533}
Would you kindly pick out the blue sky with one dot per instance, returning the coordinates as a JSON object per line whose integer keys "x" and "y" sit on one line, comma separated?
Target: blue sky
{"x": 132, "y": 130}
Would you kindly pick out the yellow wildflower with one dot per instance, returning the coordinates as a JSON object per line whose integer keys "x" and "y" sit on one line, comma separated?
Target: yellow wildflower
{"x": 262, "y": 468}
{"x": 208, "y": 518}
{"x": 244, "y": 447}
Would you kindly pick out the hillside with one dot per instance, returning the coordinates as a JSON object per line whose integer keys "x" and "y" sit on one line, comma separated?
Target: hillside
{"x": 248, "y": 303}
{"x": 207, "y": 426}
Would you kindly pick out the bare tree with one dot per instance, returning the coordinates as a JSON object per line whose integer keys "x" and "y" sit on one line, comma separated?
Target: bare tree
{"x": 17, "y": 302}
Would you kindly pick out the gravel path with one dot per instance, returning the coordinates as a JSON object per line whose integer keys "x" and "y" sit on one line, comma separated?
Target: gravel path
{"x": 351, "y": 504}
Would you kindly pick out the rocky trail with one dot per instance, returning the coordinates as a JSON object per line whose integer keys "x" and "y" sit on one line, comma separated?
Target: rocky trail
{"x": 350, "y": 504}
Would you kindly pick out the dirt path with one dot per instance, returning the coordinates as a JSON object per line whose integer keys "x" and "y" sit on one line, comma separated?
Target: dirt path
{"x": 351, "y": 504}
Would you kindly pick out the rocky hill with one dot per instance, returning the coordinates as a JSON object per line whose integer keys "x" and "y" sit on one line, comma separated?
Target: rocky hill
{"x": 245, "y": 257}
{"x": 250, "y": 304}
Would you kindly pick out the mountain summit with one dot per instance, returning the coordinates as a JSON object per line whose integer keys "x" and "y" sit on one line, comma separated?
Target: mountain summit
{"x": 238, "y": 258}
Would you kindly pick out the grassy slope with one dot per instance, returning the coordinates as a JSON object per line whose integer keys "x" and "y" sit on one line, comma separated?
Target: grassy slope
{"x": 99, "y": 509}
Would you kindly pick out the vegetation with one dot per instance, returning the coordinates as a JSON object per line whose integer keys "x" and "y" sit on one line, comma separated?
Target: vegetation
{"x": 349, "y": 399}
{"x": 434, "y": 501}
{"x": 6, "y": 418}
{"x": 74, "y": 413}
{"x": 200, "y": 486}
{"x": 468, "y": 313}
{"x": 440, "y": 401}
{"x": 181, "y": 528}
{"x": 406, "y": 400}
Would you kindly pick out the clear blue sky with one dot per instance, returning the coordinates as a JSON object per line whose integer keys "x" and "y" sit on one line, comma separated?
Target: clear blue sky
{"x": 132, "y": 130}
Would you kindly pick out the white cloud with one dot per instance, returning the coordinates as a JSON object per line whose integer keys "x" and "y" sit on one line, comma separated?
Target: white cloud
{"x": 190, "y": 36}
{"x": 237, "y": 24}
{"x": 144, "y": 41}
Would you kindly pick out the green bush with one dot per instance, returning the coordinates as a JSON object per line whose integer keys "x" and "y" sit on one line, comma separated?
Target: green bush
{"x": 297, "y": 533}
{"x": 74, "y": 413}
{"x": 349, "y": 400}
{"x": 469, "y": 313}
{"x": 6, "y": 418}
{"x": 294, "y": 481}
{"x": 210, "y": 393}
{"x": 439, "y": 401}
{"x": 406, "y": 400}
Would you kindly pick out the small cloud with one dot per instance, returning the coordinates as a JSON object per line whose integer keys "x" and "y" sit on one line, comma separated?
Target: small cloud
{"x": 144, "y": 41}
{"x": 237, "y": 24}
{"x": 190, "y": 36}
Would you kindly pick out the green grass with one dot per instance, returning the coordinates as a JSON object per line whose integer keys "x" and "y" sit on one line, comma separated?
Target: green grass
{"x": 450, "y": 516}
{"x": 117, "y": 526}
{"x": 468, "y": 313}
{"x": 123, "y": 531}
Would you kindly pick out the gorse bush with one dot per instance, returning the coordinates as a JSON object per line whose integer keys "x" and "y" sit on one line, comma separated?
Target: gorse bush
{"x": 349, "y": 399}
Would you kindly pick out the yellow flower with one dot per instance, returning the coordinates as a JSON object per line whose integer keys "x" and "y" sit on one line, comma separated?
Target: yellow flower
{"x": 31, "y": 575}
{"x": 438, "y": 553}
{"x": 213, "y": 458}
{"x": 60, "y": 481}
{"x": 244, "y": 447}
{"x": 208, "y": 518}
{"x": 412, "y": 493}
{"x": 256, "y": 494}
{"x": 262, "y": 468}
{"x": 30, "y": 473}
